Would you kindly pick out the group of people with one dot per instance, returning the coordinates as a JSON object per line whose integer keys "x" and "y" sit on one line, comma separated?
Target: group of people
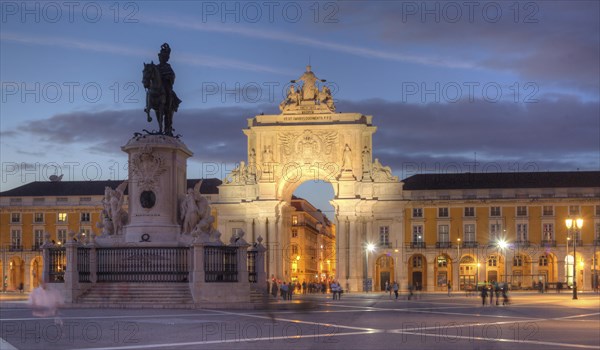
{"x": 494, "y": 289}
{"x": 281, "y": 289}
{"x": 336, "y": 290}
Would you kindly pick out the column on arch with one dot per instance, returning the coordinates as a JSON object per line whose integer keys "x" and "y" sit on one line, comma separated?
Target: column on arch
{"x": 275, "y": 249}
{"x": 354, "y": 256}
{"x": 342, "y": 251}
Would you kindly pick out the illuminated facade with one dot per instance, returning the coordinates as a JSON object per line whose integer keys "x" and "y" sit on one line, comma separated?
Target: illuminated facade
{"x": 312, "y": 244}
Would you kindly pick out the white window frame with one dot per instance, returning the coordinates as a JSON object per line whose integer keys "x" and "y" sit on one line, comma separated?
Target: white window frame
{"x": 522, "y": 231}
{"x": 469, "y": 235}
{"x": 495, "y": 215}
{"x": 442, "y": 233}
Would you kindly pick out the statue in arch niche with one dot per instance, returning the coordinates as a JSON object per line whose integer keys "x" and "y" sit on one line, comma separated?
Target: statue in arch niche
{"x": 347, "y": 159}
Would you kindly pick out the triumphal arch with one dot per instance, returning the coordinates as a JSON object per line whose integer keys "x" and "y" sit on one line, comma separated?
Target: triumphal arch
{"x": 309, "y": 141}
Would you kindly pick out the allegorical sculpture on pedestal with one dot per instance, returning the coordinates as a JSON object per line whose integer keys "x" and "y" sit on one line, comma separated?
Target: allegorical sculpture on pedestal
{"x": 158, "y": 81}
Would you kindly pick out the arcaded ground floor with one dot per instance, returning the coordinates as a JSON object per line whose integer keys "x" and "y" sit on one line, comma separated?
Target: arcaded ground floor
{"x": 357, "y": 321}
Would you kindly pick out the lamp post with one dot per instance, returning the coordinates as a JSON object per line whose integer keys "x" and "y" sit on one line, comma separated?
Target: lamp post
{"x": 502, "y": 244}
{"x": 369, "y": 248}
{"x": 457, "y": 281}
{"x": 573, "y": 226}
{"x": 477, "y": 278}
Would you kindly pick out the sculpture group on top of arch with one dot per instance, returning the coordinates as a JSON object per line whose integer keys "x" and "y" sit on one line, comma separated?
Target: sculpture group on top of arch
{"x": 307, "y": 95}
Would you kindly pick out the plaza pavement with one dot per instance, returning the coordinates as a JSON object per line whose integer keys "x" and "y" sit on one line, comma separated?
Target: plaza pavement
{"x": 358, "y": 321}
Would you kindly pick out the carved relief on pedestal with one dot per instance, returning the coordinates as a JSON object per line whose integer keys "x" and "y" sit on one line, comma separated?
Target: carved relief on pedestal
{"x": 146, "y": 168}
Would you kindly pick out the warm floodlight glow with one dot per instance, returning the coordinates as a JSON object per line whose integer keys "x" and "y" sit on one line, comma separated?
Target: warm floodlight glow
{"x": 579, "y": 223}
{"x": 502, "y": 244}
{"x": 370, "y": 247}
{"x": 569, "y": 223}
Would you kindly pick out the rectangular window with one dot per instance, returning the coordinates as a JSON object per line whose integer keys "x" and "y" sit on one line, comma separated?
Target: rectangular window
{"x": 493, "y": 261}
{"x": 417, "y": 212}
{"x": 518, "y": 260}
{"x": 522, "y": 210}
{"x": 443, "y": 233}
{"x": 496, "y": 232}
{"x": 547, "y": 232}
{"x": 85, "y": 199}
{"x": 417, "y": 261}
{"x": 495, "y": 211}
{"x": 294, "y": 232}
{"x": 62, "y": 217}
{"x": 548, "y": 210}
{"x": 469, "y": 234}
{"x": 543, "y": 260}
{"x": 62, "y": 199}
{"x": 573, "y": 210}
{"x": 294, "y": 220}
{"x": 15, "y": 239}
{"x": 15, "y": 218}
{"x": 39, "y": 200}
{"x": 598, "y": 232}
{"x": 38, "y": 238}
{"x": 443, "y": 212}
{"x": 417, "y": 235}
{"x": 294, "y": 251}
{"x": 598, "y": 210}
{"x": 469, "y": 211}
{"x": 61, "y": 236}
{"x": 522, "y": 233}
{"x": 384, "y": 235}
{"x": 38, "y": 218}
{"x": 85, "y": 217}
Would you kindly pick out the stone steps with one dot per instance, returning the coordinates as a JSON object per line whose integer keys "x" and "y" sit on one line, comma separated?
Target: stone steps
{"x": 138, "y": 294}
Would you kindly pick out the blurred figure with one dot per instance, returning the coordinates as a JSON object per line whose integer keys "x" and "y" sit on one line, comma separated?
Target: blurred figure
{"x": 44, "y": 302}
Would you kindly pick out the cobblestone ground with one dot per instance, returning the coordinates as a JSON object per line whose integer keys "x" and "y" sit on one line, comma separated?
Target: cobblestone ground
{"x": 358, "y": 321}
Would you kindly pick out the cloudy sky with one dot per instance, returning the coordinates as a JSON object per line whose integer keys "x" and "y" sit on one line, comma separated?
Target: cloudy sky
{"x": 514, "y": 85}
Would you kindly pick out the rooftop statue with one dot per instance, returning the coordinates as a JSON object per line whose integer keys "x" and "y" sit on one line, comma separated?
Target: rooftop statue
{"x": 305, "y": 94}
{"x": 158, "y": 81}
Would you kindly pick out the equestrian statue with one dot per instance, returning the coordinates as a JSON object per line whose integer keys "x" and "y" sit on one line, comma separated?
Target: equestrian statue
{"x": 158, "y": 81}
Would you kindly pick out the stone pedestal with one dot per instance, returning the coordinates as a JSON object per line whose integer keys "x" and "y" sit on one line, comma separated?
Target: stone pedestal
{"x": 157, "y": 182}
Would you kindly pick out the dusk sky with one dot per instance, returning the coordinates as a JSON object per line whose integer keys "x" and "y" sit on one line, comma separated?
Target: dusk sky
{"x": 514, "y": 85}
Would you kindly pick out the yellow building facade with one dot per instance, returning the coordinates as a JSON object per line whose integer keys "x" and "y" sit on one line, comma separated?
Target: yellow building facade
{"x": 312, "y": 244}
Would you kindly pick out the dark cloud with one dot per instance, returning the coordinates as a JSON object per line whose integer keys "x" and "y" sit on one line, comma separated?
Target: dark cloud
{"x": 544, "y": 41}
{"x": 556, "y": 133}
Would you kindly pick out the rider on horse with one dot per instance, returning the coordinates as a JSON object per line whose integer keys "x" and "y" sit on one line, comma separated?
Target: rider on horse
{"x": 167, "y": 76}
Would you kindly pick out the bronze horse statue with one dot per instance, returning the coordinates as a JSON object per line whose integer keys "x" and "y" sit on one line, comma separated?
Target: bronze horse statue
{"x": 156, "y": 99}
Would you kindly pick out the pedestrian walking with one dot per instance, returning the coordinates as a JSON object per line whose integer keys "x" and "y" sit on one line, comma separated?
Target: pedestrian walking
{"x": 505, "y": 295}
{"x": 449, "y": 287}
{"x": 559, "y": 287}
{"x": 483, "y": 294}
{"x": 491, "y": 292}
{"x": 395, "y": 287}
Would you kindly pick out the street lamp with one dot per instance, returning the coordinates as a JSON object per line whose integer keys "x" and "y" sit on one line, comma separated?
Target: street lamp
{"x": 370, "y": 247}
{"x": 477, "y": 277}
{"x": 502, "y": 244}
{"x": 457, "y": 281}
{"x": 573, "y": 226}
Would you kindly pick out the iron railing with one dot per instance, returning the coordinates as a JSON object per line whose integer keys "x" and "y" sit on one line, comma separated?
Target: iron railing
{"x": 57, "y": 264}
{"x": 220, "y": 264}
{"x": 143, "y": 264}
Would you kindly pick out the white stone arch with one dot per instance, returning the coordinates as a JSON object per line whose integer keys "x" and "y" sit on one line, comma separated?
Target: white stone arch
{"x": 306, "y": 142}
